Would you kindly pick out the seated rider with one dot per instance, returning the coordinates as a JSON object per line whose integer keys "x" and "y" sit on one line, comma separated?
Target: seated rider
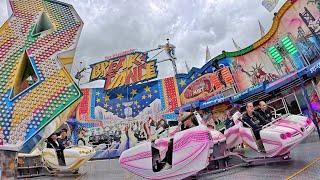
{"x": 54, "y": 143}
{"x": 254, "y": 120}
{"x": 162, "y": 127}
{"x": 228, "y": 122}
{"x": 189, "y": 123}
{"x": 149, "y": 128}
{"x": 63, "y": 138}
{"x": 264, "y": 111}
{"x": 184, "y": 122}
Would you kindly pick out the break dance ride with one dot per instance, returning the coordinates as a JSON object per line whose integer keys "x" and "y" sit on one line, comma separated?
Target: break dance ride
{"x": 74, "y": 156}
{"x": 194, "y": 151}
{"x": 51, "y": 164}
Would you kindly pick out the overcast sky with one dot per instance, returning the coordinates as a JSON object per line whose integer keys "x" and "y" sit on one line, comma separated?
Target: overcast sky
{"x": 113, "y": 26}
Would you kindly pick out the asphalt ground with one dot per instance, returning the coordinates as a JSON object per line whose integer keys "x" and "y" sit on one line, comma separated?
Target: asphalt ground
{"x": 304, "y": 164}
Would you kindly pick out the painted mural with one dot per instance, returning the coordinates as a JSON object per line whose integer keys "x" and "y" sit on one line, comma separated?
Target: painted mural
{"x": 291, "y": 44}
{"x": 117, "y": 117}
{"x": 118, "y": 112}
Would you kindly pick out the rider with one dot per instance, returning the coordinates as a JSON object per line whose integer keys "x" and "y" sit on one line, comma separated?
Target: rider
{"x": 162, "y": 126}
{"x": 81, "y": 134}
{"x": 253, "y": 119}
{"x": 228, "y": 122}
{"x": 54, "y": 143}
{"x": 189, "y": 123}
{"x": 149, "y": 128}
{"x": 264, "y": 111}
{"x": 63, "y": 138}
{"x": 185, "y": 122}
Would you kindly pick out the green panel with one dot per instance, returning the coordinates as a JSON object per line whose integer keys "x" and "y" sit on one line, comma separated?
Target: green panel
{"x": 289, "y": 45}
{"x": 275, "y": 54}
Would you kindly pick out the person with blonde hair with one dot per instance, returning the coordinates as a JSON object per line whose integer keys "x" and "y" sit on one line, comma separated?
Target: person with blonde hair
{"x": 185, "y": 122}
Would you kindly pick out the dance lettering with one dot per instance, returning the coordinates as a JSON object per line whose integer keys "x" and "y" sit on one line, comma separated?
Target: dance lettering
{"x": 124, "y": 70}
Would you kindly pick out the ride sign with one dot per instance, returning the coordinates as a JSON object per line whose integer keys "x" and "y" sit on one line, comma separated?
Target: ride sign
{"x": 207, "y": 85}
{"x": 124, "y": 70}
{"x": 314, "y": 69}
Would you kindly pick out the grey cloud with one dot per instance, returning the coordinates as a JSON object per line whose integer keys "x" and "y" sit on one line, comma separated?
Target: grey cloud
{"x": 3, "y": 12}
{"x": 191, "y": 25}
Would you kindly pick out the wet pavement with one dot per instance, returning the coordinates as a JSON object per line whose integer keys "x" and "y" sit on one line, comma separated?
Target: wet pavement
{"x": 304, "y": 164}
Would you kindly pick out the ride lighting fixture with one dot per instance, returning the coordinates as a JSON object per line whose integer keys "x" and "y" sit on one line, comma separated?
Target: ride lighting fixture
{"x": 309, "y": 121}
{"x": 275, "y": 54}
{"x": 285, "y": 135}
{"x": 288, "y": 44}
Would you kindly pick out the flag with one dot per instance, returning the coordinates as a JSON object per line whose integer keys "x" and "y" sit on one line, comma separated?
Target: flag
{"x": 236, "y": 45}
{"x": 262, "y": 31}
{"x": 270, "y": 4}
{"x": 208, "y": 57}
{"x": 187, "y": 67}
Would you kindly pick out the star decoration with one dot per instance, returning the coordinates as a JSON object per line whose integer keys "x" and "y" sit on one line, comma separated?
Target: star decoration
{"x": 106, "y": 98}
{"x": 98, "y": 100}
{"x": 136, "y": 102}
{"x": 118, "y": 105}
{"x": 144, "y": 97}
{"x": 155, "y": 91}
{"x": 147, "y": 89}
{"x": 119, "y": 96}
{"x": 105, "y": 105}
{"x": 150, "y": 96}
{"x": 97, "y": 93}
{"x": 182, "y": 83}
{"x": 192, "y": 77}
{"x": 133, "y": 92}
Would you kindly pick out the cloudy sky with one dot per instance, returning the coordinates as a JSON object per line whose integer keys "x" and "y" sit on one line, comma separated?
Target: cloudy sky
{"x": 113, "y": 26}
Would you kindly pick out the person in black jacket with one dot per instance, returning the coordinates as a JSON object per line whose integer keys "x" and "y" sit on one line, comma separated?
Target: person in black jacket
{"x": 254, "y": 120}
{"x": 264, "y": 111}
{"x": 54, "y": 143}
{"x": 228, "y": 122}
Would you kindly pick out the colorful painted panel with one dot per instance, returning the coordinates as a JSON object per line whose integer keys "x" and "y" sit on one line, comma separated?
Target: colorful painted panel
{"x": 291, "y": 44}
{"x": 35, "y": 87}
{"x": 206, "y": 86}
{"x": 131, "y": 102}
{"x": 124, "y": 70}
{"x": 117, "y": 117}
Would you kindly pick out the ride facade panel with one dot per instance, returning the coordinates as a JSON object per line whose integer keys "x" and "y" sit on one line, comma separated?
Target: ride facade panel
{"x": 277, "y": 68}
{"x": 36, "y": 89}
